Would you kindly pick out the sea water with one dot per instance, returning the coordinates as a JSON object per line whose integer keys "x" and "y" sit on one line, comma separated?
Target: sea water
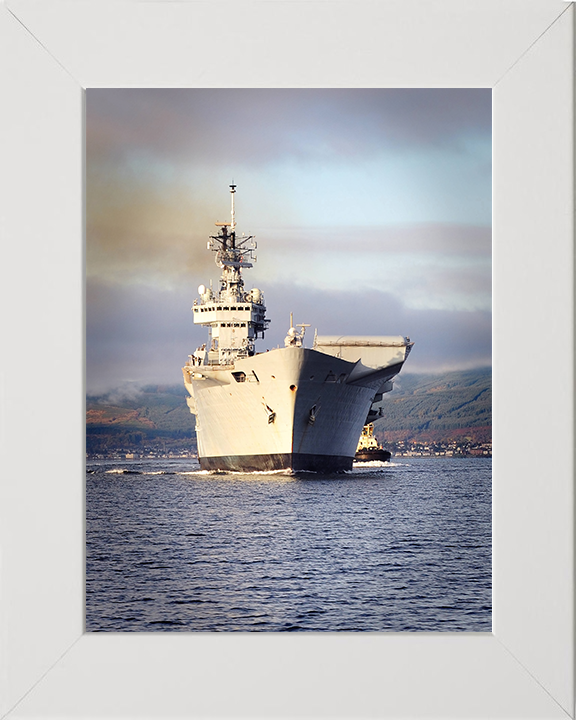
{"x": 397, "y": 546}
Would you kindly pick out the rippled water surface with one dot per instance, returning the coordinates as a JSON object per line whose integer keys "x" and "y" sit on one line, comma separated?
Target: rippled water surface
{"x": 404, "y": 545}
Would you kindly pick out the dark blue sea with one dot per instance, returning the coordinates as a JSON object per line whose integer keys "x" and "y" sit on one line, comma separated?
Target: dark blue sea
{"x": 400, "y": 546}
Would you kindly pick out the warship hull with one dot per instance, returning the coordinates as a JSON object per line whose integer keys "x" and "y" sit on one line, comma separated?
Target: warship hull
{"x": 292, "y": 408}
{"x": 296, "y": 462}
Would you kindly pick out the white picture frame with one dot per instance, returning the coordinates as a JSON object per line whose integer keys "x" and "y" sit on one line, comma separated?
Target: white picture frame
{"x": 51, "y": 51}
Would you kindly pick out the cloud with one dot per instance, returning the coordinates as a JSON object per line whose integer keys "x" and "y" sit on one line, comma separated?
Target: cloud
{"x": 371, "y": 209}
{"x": 144, "y": 334}
{"x": 137, "y": 230}
{"x": 382, "y": 240}
{"x": 370, "y": 162}
{"x": 136, "y": 227}
{"x": 427, "y": 265}
{"x": 148, "y": 237}
{"x": 260, "y": 125}
{"x": 444, "y": 339}
{"x": 136, "y": 333}
{"x": 127, "y": 391}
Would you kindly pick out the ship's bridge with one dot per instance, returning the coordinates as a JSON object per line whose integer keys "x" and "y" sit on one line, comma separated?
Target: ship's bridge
{"x": 207, "y": 313}
{"x": 234, "y": 326}
{"x": 235, "y": 318}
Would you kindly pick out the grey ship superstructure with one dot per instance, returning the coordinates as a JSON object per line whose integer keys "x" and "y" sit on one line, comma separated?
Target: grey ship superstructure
{"x": 292, "y": 408}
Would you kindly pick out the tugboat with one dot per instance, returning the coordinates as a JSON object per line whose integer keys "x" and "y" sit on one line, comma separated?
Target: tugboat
{"x": 368, "y": 448}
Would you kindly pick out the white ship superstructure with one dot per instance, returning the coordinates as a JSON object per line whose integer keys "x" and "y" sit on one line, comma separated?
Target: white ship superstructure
{"x": 290, "y": 408}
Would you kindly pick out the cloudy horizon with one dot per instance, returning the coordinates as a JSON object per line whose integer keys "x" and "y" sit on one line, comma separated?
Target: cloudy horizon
{"x": 371, "y": 208}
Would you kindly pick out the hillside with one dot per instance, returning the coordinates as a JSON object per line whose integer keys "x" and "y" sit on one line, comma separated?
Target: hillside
{"x": 131, "y": 418}
{"x": 426, "y": 407}
{"x": 439, "y": 402}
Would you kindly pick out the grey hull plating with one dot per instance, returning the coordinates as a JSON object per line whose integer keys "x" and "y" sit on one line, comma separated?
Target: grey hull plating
{"x": 281, "y": 461}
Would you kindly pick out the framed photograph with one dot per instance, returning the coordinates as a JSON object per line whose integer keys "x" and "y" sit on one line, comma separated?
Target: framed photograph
{"x": 55, "y": 50}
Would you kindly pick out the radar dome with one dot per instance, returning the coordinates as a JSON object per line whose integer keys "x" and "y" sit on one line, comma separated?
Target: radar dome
{"x": 201, "y": 289}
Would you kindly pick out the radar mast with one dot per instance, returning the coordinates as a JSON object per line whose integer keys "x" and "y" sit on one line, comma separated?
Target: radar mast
{"x": 236, "y": 318}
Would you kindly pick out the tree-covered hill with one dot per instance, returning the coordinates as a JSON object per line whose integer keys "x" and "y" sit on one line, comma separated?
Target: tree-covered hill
{"x": 132, "y": 417}
{"x": 439, "y": 402}
{"x": 161, "y": 407}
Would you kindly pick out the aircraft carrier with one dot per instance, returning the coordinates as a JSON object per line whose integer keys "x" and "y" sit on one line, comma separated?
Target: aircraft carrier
{"x": 291, "y": 408}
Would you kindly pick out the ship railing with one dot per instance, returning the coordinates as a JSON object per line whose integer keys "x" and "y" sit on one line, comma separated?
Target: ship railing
{"x": 216, "y": 365}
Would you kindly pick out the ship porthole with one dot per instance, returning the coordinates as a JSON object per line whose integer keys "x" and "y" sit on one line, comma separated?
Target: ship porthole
{"x": 292, "y": 387}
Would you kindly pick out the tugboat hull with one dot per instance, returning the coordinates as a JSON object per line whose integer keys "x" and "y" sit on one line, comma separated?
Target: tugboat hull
{"x": 370, "y": 455}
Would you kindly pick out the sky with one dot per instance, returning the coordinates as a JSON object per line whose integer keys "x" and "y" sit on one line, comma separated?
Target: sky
{"x": 371, "y": 209}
